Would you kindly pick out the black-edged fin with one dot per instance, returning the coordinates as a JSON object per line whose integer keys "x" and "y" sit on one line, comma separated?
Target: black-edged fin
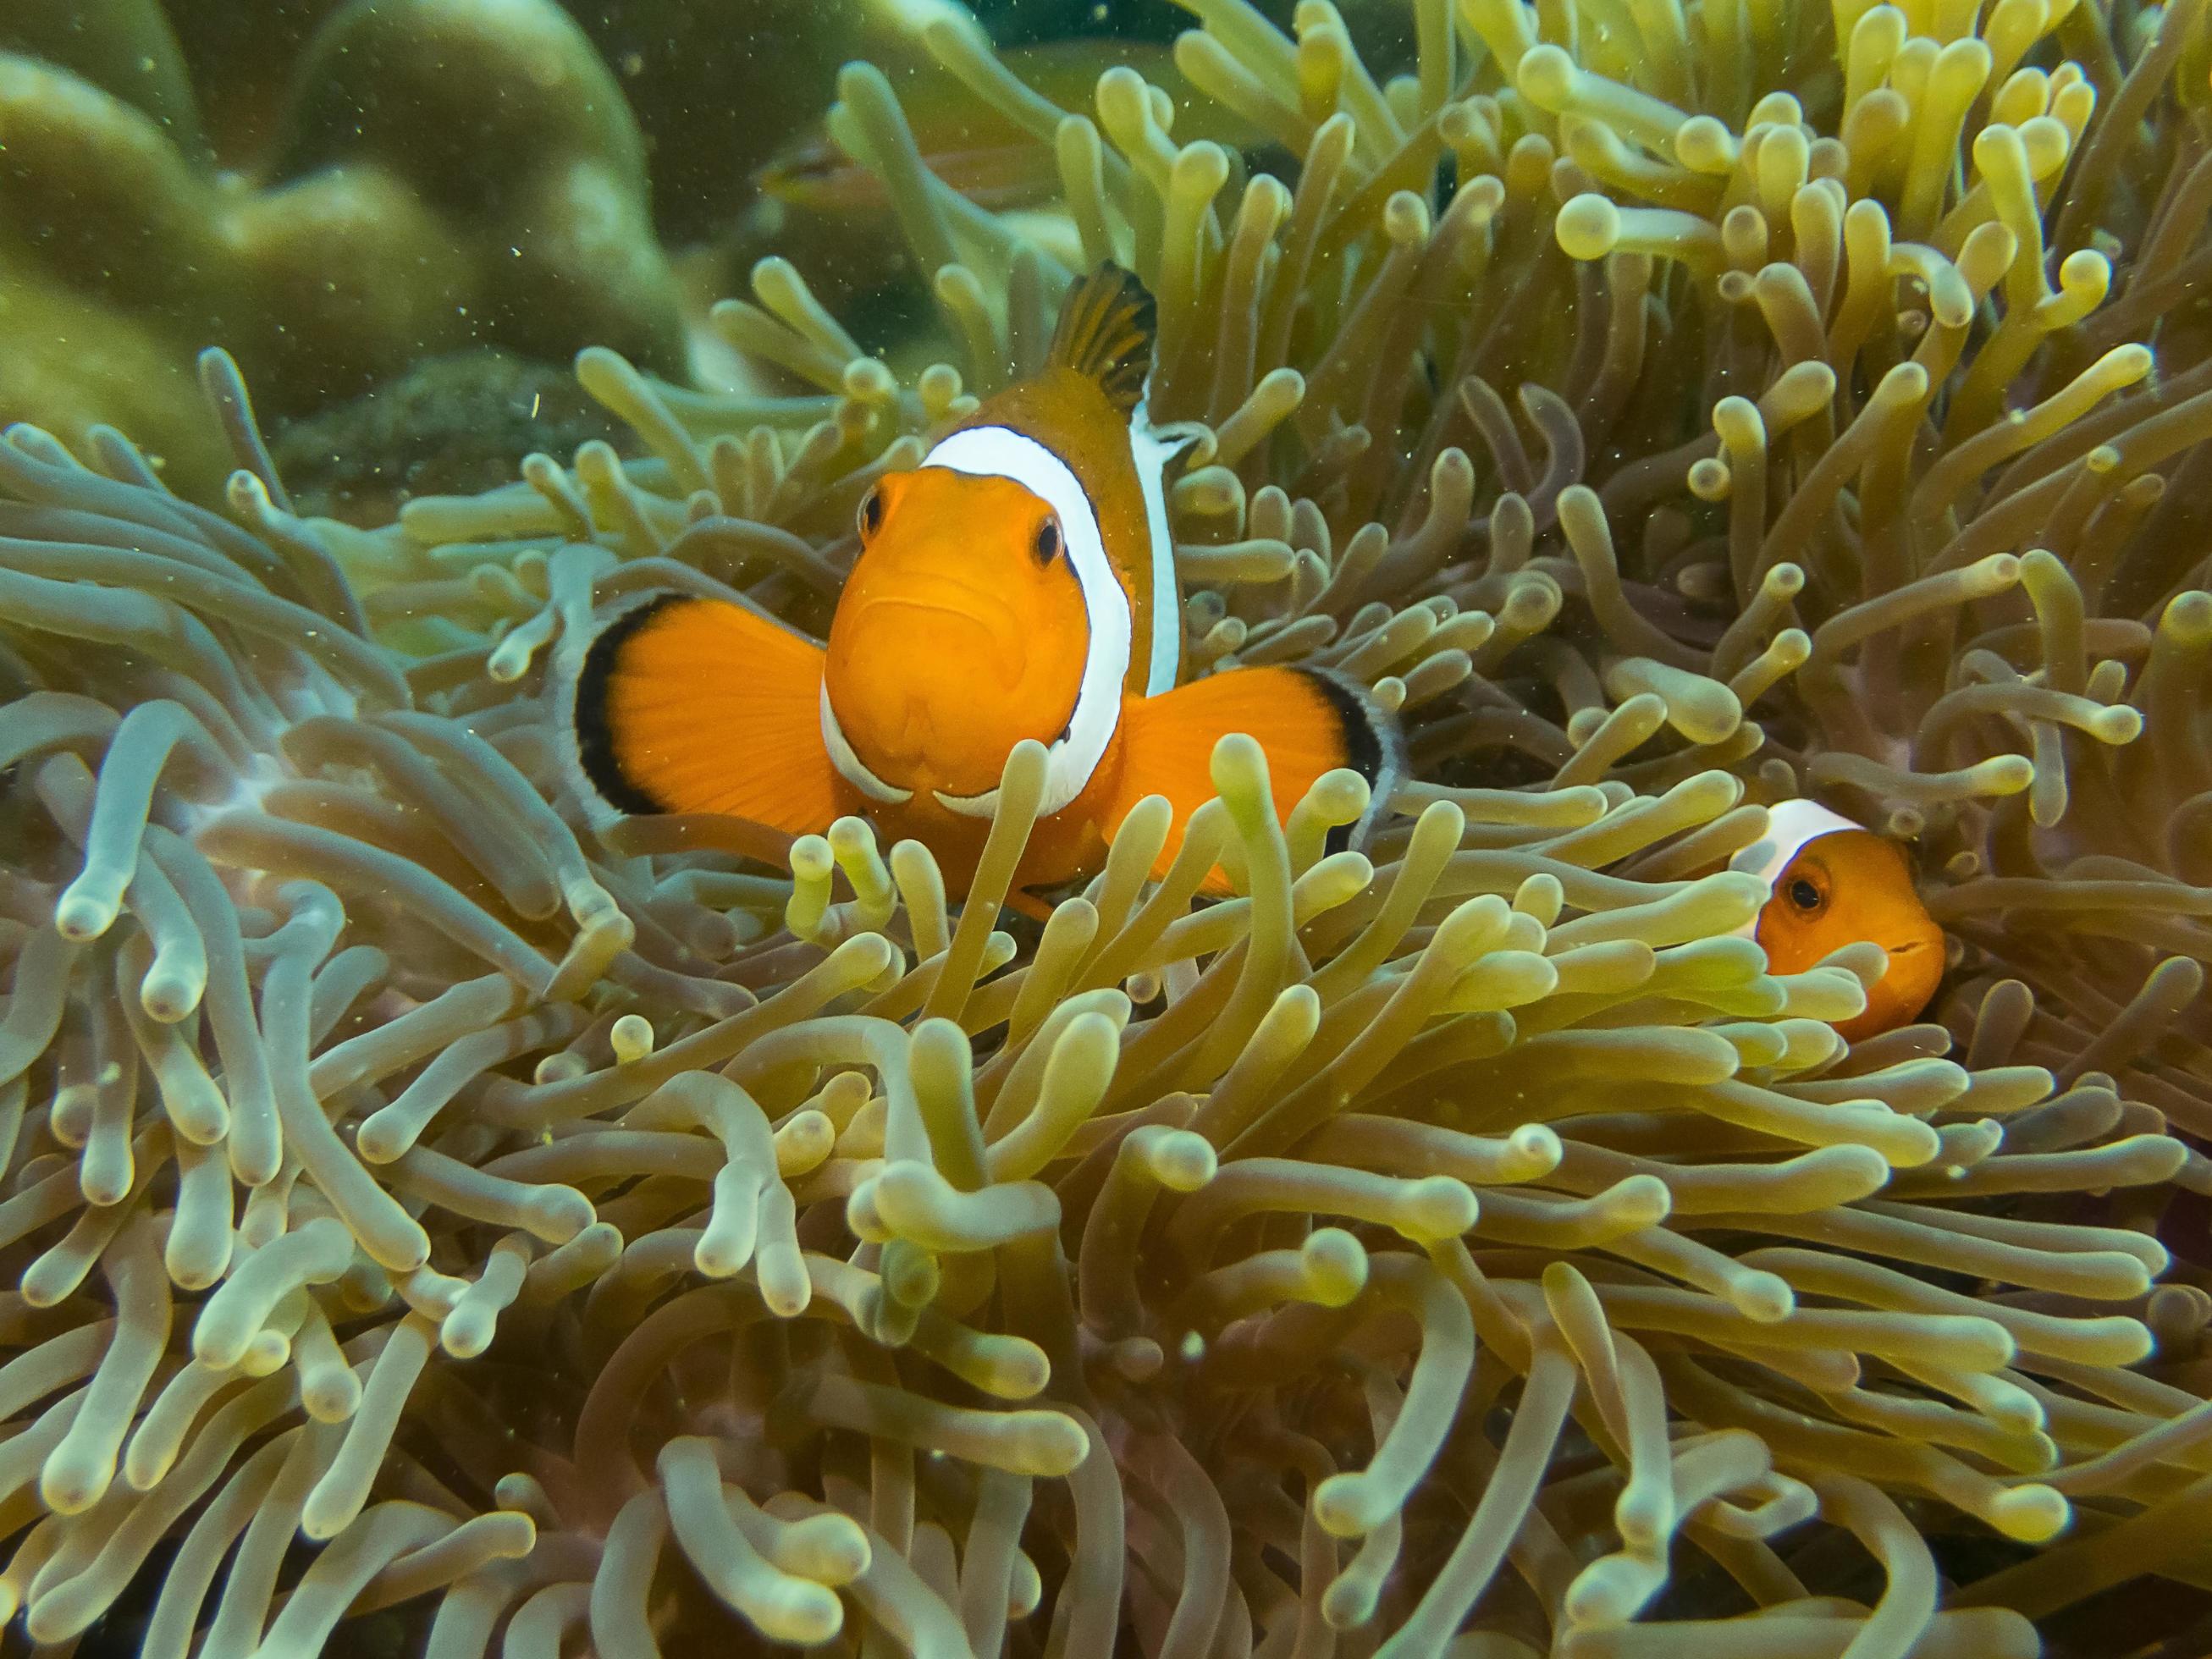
{"x": 1308, "y": 720}
{"x": 695, "y": 705}
{"x": 1106, "y": 331}
{"x": 1373, "y": 747}
{"x": 597, "y": 750}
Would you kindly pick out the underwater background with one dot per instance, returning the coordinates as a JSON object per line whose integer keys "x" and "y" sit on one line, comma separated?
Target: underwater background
{"x": 440, "y": 1222}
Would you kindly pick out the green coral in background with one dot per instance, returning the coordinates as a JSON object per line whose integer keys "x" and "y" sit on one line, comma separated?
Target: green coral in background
{"x": 444, "y": 174}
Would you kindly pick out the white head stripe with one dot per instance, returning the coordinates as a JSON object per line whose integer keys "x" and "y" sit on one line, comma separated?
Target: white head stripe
{"x": 1002, "y": 453}
{"x": 1150, "y": 452}
{"x": 1790, "y": 825}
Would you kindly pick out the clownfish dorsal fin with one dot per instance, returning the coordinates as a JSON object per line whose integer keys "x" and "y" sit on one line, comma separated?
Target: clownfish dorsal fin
{"x": 1105, "y": 333}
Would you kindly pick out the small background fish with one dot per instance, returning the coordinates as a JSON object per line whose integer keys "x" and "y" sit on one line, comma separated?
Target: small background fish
{"x": 1836, "y": 882}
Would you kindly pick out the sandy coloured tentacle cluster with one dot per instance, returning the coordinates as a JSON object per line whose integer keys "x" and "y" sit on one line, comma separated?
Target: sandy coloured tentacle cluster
{"x": 354, "y": 1117}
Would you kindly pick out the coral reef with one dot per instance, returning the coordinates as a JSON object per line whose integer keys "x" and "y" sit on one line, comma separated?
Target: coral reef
{"x": 443, "y": 174}
{"x": 578, "y": 1234}
{"x": 692, "y": 71}
{"x": 451, "y": 426}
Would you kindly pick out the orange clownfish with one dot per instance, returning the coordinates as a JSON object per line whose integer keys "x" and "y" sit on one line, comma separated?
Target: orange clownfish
{"x": 1019, "y": 583}
{"x": 1833, "y": 884}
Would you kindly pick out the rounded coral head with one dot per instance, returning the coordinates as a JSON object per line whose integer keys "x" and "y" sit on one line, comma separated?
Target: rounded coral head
{"x": 1843, "y": 884}
{"x": 961, "y": 631}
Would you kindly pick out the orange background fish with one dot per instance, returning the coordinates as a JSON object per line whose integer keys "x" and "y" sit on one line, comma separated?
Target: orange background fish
{"x": 1018, "y": 584}
{"x": 1836, "y": 883}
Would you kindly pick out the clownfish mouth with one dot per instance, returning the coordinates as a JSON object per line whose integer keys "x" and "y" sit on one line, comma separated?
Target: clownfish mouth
{"x": 1913, "y": 951}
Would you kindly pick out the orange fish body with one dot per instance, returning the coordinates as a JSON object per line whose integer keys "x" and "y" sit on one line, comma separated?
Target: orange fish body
{"x": 1835, "y": 883}
{"x": 1018, "y": 584}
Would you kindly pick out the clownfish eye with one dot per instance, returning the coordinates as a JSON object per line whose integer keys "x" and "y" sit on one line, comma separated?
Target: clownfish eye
{"x": 1804, "y": 895}
{"x": 871, "y": 514}
{"x": 1049, "y": 543}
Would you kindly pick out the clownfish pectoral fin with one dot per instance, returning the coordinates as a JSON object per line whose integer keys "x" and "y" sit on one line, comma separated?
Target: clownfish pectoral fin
{"x": 691, "y": 705}
{"x": 1106, "y": 330}
{"x": 1308, "y": 721}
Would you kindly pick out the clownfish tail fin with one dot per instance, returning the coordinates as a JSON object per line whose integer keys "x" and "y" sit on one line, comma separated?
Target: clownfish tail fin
{"x": 1106, "y": 331}
{"x": 693, "y": 705}
{"x": 1308, "y": 721}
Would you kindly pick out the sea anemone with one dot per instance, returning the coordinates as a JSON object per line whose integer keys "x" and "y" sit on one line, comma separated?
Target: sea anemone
{"x": 1465, "y": 1245}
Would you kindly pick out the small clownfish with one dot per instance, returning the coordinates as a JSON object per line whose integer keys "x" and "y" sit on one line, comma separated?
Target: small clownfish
{"x": 1019, "y": 583}
{"x": 1835, "y": 882}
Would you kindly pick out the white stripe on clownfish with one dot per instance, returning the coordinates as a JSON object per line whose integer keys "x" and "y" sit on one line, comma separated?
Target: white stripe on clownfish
{"x": 1072, "y": 757}
{"x": 853, "y": 770}
{"x": 1152, "y": 448}
{"x": 1790, "y": 826}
